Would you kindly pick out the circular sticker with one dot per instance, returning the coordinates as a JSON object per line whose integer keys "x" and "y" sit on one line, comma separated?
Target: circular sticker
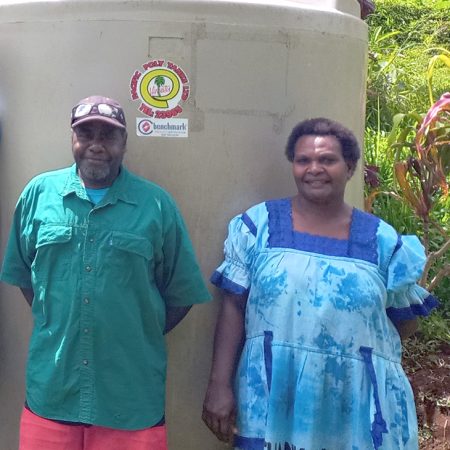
{"x": 145, "y": 127}
{"x": 161, "y": 88}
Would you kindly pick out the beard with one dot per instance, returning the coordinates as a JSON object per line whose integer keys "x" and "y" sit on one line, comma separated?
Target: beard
{"x": 96, "y": 174}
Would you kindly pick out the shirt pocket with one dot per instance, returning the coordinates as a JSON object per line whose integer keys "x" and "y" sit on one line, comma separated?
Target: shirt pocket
{"x": 130, "y": 255}
{"x": 53, "y": 252}
{"x": 131, "y": 243}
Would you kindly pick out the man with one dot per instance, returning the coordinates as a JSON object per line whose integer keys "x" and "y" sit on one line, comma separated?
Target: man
{"x": 104, "y": 260}
{"x": 367, "y": 7}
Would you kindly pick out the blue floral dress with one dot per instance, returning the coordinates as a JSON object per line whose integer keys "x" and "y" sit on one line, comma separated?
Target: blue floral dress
{"x": 320, "y": 368}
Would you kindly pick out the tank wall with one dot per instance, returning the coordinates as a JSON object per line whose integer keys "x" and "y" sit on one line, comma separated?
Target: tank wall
{"x": 254, "y": 70}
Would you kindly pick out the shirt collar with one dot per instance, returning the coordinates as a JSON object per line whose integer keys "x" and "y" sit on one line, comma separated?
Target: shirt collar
{"x": 119, "y": 190}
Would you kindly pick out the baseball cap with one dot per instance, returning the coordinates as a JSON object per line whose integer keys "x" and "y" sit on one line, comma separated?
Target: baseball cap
{"x": 97, "y": 107}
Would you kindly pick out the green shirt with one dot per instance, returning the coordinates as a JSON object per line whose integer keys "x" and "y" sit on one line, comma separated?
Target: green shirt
{"x": 102, "y": 277}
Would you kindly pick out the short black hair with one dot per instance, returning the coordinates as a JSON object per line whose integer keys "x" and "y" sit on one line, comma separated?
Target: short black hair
{"x": 321, "y": 126}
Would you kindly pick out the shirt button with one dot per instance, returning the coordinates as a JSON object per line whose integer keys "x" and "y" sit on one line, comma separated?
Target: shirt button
{"x": 91, "y": 240}
{"x": 86, "y": 330}
{"x": 88, "y": 268}
{"x": 86, "y": 300}
{"x": 85, "y": 362}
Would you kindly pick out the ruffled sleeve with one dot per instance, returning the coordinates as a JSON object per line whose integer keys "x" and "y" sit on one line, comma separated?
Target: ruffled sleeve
{"x": 233, "y": 275}
{"x": 406, "y": 299}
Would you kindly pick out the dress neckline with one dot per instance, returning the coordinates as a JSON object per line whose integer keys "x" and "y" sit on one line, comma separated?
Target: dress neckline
{"x": 350, "y": 228}
{"x": 361, "y": 242}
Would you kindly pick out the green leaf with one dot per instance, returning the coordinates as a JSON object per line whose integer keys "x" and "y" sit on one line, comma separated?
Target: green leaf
{"x": 387, "y": 36}
{"x": 441, "y": 4}
{"x": 396, "y": 122}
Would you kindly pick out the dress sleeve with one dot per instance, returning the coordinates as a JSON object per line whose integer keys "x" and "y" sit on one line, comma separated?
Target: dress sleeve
{"x": 405, "y": 298}
{"x": 233, "y": 275}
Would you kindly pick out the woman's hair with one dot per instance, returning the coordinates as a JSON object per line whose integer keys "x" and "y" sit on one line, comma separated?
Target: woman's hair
{"x": 325, "y": 127}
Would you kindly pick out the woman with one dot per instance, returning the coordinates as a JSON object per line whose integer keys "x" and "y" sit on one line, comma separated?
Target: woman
{"x": 316, "y": 297}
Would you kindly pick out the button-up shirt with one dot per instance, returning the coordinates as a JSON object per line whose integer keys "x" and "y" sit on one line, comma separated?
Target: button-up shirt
{"x": 102, "y": 278}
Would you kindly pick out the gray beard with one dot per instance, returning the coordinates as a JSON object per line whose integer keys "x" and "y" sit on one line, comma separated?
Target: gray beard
{"x": 94, "y": 173}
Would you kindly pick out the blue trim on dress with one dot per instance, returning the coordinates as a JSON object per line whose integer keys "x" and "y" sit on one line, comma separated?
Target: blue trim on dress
{"x": 224, "y": 283}
{"x": 379, "y": 424}
{"x": 362, "y": 243}
{"x": 245, "y": 443}
{"x": 412, "y": 311}
{"x": 399, "y": 244}
{"x": 280, "y": 223}
{"x": 249, "y": 222}
{"x": 268, "y": 338}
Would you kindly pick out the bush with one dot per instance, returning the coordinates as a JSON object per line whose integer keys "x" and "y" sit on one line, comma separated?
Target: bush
{"x": 403, "y": 37}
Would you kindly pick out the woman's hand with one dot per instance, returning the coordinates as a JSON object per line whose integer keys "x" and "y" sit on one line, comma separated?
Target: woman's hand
{"x": 219, "y": 407}
{"x": 219, "y": 412}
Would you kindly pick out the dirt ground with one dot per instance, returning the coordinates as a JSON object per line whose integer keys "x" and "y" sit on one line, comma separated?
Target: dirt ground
{"x": 430, "y": 379}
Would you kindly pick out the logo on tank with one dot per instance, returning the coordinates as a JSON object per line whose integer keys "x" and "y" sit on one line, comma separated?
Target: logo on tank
{"x": 145, "y": 127}
{"x": 161, "y": 88}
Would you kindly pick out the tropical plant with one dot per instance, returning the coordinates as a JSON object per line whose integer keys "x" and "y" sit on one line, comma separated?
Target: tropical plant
{"x": 407, "y": 152}
{"x": 422, "y": 178}
{"x": 402, "y": 38}
{"x": 159, "y": 81}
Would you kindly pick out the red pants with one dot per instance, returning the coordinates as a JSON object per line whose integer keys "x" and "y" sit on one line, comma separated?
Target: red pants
{"x": 37, "y": 433}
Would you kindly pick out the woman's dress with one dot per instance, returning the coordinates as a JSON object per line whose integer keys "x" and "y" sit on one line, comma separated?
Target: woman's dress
{"x": 320, "y": 368}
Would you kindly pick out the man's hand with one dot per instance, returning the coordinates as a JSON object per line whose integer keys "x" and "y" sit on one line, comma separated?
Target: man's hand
{"x": 219, "y": 412}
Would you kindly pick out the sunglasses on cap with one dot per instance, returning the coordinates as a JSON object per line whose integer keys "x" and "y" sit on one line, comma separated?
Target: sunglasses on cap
{"x": 83, "y": 110}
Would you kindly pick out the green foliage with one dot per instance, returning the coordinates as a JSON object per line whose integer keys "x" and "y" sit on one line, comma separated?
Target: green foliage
{"x": 418, "y": 21}
{"x": 403, "y": 36}
{"x": 409, "y": 62}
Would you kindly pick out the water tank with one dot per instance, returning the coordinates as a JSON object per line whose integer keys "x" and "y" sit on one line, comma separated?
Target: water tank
{"x": 234, "y": 78}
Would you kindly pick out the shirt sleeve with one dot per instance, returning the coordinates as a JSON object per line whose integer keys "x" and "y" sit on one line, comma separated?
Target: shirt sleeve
{"x": 406, "y": 299}
{"x": 181, "y": 282}
{"x": 233, "y": 275}
{"x": 16, "y": 267}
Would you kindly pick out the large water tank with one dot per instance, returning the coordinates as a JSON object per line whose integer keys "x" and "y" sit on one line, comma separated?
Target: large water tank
{"x": 211, "y": 90}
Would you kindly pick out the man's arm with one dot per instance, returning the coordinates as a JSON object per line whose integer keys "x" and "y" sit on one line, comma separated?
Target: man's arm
{"x": 28, "y": 294}
{"x": 174, "y": 315}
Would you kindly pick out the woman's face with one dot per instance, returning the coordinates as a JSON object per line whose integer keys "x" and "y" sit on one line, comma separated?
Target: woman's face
{"x": 319, "y": 169}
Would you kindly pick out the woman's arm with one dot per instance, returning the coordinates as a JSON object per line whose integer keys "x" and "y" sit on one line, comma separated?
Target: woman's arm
{"x": 406, "y": 328}
{"x": 219, "y": 406}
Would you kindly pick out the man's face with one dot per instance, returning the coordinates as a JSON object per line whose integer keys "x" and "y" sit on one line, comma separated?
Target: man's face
{"x": 98, "y": 150}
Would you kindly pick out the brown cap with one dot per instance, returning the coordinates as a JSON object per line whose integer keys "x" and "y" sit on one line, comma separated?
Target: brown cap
{"x": 97, "y": 107}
